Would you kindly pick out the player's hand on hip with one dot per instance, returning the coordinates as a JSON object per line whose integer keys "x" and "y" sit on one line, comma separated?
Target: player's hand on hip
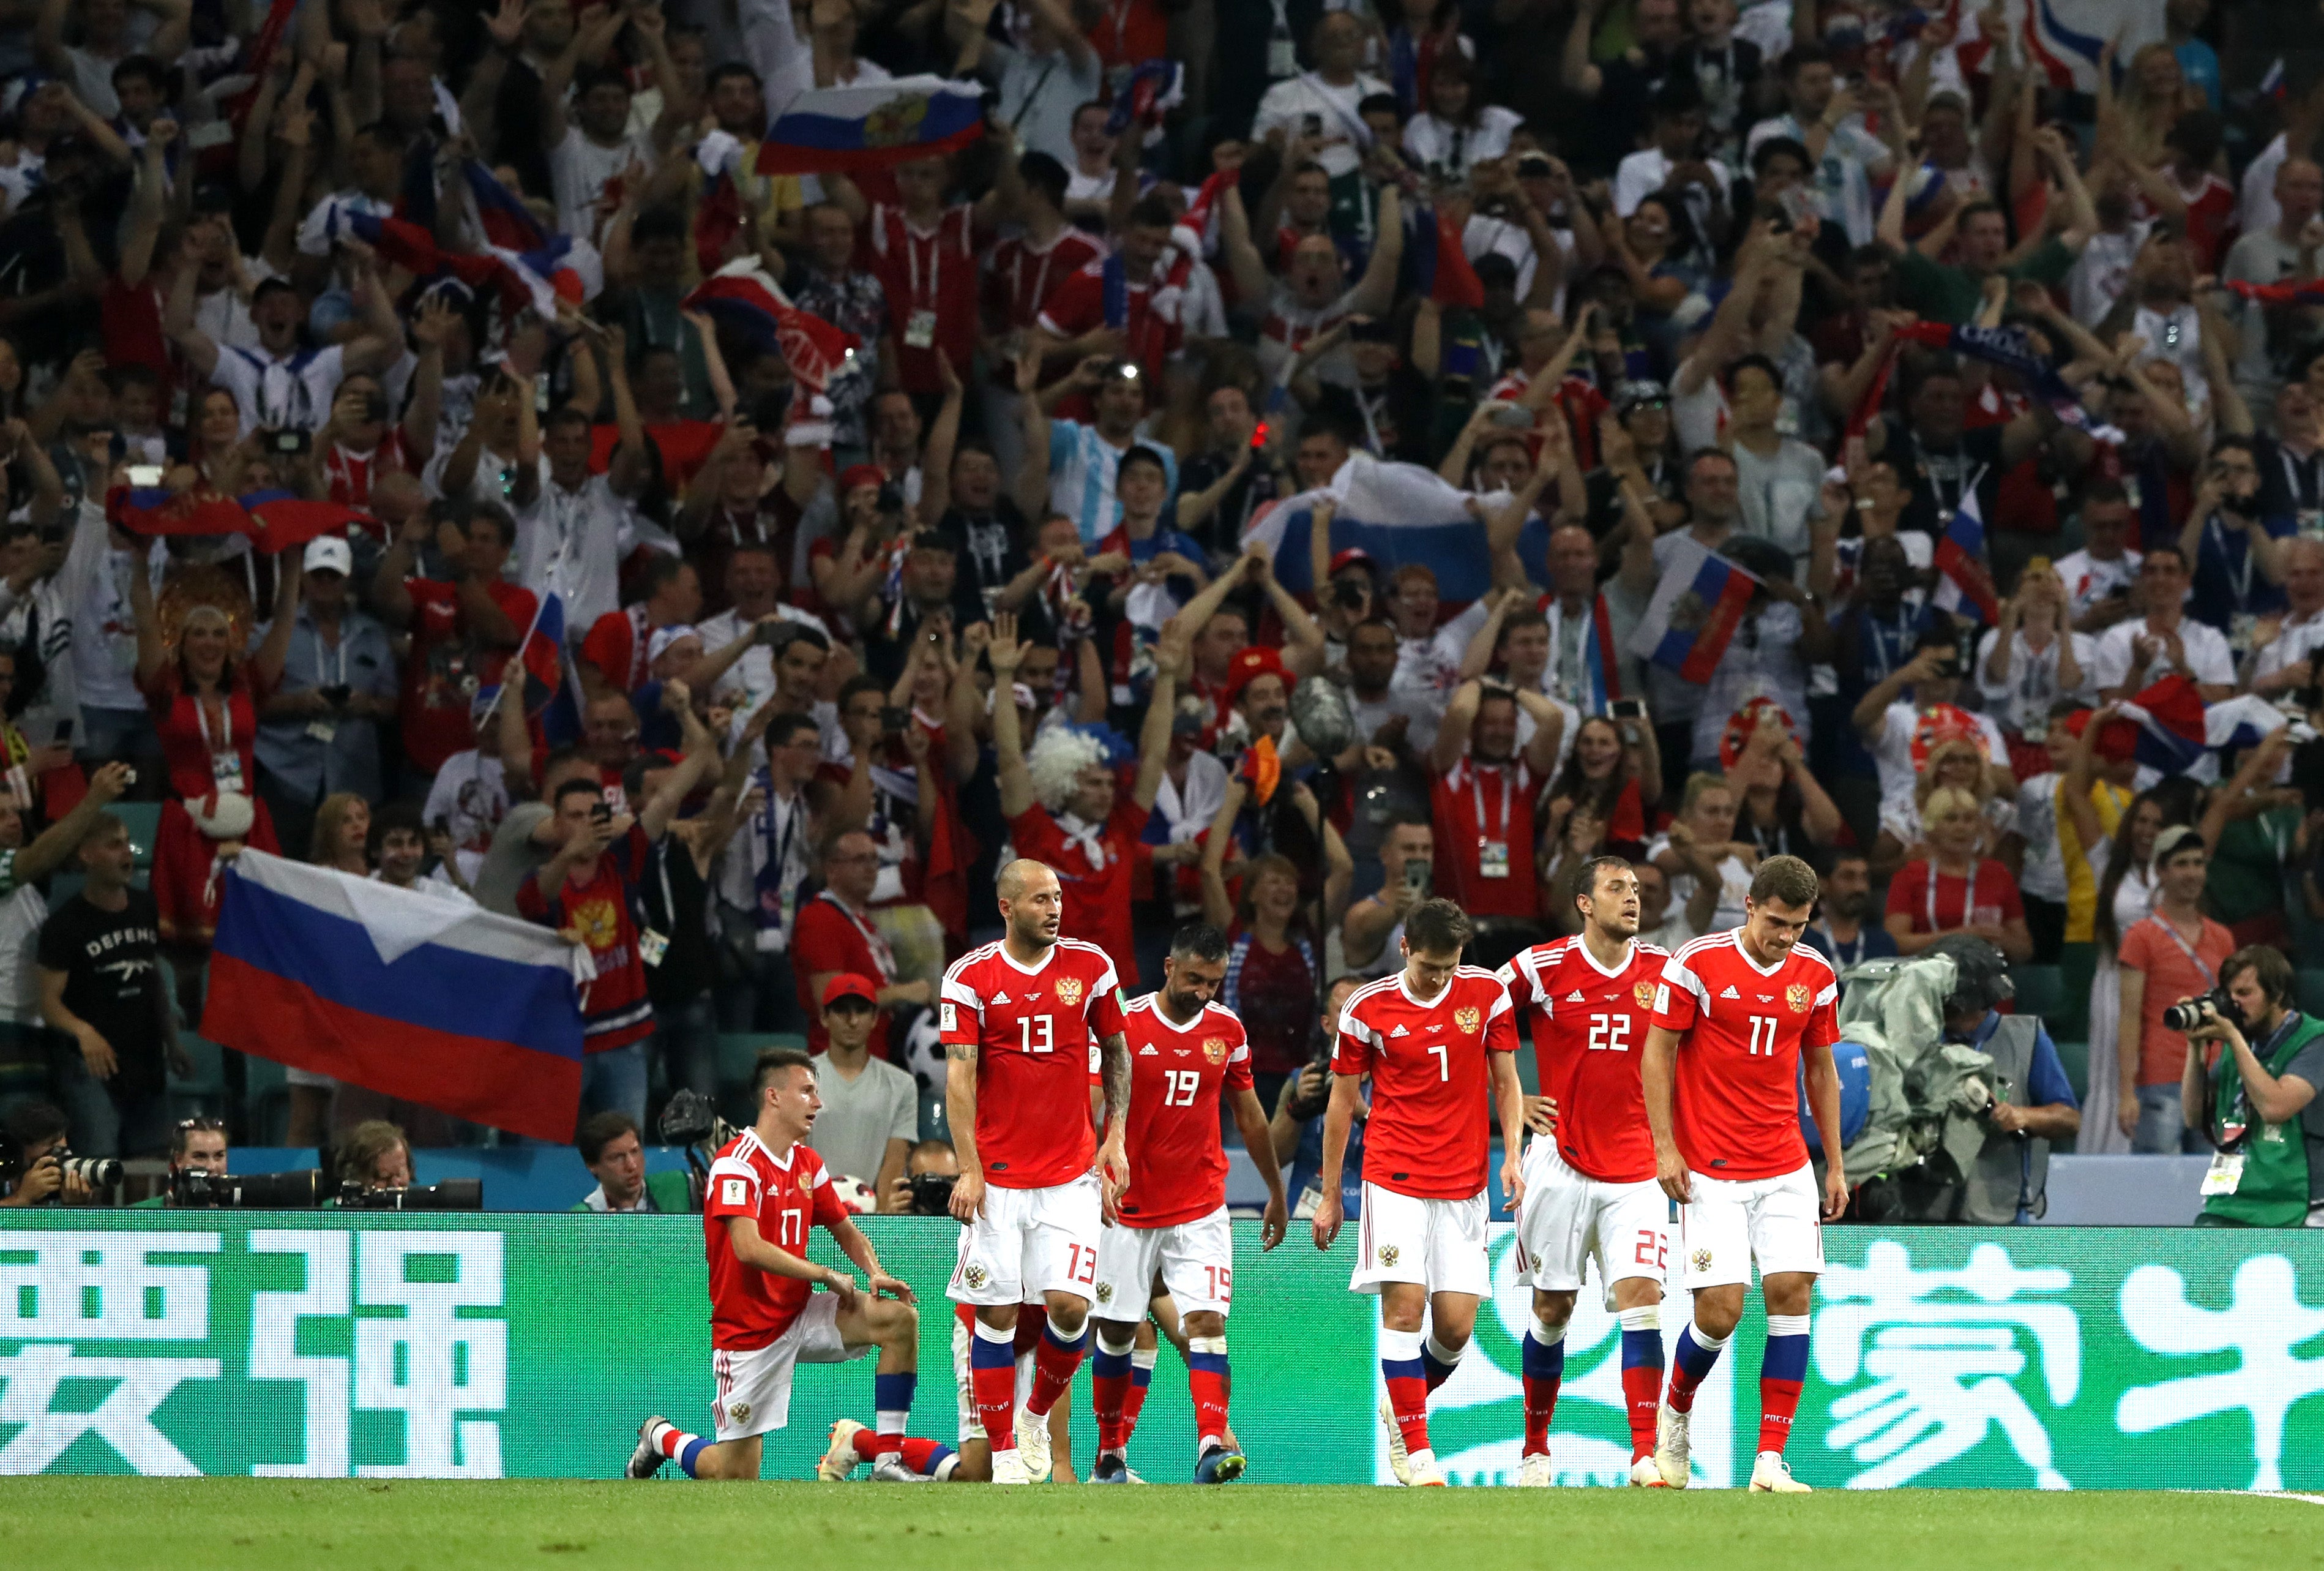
{"x": 1273, "y": 1223}
{"x": 1326, "y": 1222}
{"x": 1835, "y": 1192}
{"x": 1670, "y": 1172}
{"x": 884, "y": 1286}
{"x": 1541, "y": 1115}
{"x": 968, "y": 1197}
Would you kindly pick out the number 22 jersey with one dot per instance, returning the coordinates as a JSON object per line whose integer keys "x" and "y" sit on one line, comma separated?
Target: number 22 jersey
{"x": 1588, "y": 1031}
{"x": 1741, "y": 1026}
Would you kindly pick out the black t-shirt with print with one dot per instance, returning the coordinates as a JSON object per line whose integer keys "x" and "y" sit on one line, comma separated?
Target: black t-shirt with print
{"x": 110, "y": 961}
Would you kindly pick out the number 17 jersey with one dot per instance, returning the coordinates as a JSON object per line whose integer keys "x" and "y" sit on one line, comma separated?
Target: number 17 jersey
{"x": 1589, "y": 1033}
{"x": 1741, "y": 1026}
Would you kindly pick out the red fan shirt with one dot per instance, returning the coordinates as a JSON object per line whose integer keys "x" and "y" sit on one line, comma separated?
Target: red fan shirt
{"x": 1178, "y": 1076}
{"x": 785, "y": 1195}
{"x": 1485, "y": 836}
{"x": 1588, "y": 1030}
{"x": 448, "y": 662}
{"x": 603, "y": 908}
{"x": 1741, "y": 1027}
{"x": 1036, "y": 1030}
{"x": 1431, "y": 1080}
{"x": 930, "y": 279}
{"x": 1149, "y": 337}
{"x": 1094, "y": 869}
{"x": 1019, "y": 276}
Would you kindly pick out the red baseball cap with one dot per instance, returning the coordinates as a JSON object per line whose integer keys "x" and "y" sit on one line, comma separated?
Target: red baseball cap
{"x": 1352, "y": 557}
{"x": 856, "y": 475}
{"x": 848, "y": 984}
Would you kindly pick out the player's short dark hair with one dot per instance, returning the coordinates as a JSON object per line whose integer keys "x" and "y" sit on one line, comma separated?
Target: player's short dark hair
{"x": 773, "y": 1061}
{"x": 1585, "y": 881}
{"x": 1776, "y": 147}
{"x": 658, "y": 573}
{"x": 1438, "y": 927}
{"x": 1199, "y": 941}
{"x": 600, "y": 1130}
{"x": 1042, "y": 172}
{"x": 782, "y": 727}
{"x": 577, "y": 786}
{"x": 732, "y": 68}
{"x": 800, "y": 633}
{"x": 1142, "y": 454}
{"x": 856, "y": 686}
{"x": 2269, "y": 967}
{"x": 1786, "y": 879}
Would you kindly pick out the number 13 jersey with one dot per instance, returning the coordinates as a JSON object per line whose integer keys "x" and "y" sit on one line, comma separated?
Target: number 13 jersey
{"x": 1036, "y": 1032}
{"x": 1741, "y": 1026}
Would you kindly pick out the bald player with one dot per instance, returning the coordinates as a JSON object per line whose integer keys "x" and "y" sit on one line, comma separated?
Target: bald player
{"x": 1025, "y": 1023}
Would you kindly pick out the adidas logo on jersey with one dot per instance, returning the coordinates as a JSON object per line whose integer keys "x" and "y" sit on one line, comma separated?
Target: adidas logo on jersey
{"x": 999, "y": 998}
{"x": 1730, "y": 992}
{"x": 1148, "y": 1051}
{"x": 1399, "y": 1032}
{"x": 1574, "y": 997}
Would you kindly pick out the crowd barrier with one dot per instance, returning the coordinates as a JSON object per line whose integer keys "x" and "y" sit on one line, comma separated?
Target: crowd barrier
{"x": 321, "y": 1344}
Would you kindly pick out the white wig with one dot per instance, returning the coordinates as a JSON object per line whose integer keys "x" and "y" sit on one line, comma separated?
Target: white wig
{"x": 1055, "y": 763}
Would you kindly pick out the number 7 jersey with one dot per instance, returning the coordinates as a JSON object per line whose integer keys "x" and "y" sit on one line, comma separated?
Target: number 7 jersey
{"x": 1431, "y": 1078}
{"x": 1735, "y": 1110}
{"x": 1035, "y": 1030}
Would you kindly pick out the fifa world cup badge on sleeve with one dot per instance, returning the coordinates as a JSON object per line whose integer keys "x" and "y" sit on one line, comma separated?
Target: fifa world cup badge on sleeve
{"x": 949, "y": 1017}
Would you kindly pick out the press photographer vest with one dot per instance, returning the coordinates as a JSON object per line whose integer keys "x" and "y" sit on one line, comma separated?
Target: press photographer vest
{"x": 1990, "y": 1184}
{"x": 2273, "y": 1190}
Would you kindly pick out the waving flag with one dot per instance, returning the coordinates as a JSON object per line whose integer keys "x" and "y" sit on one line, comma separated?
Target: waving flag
{"x": 2292, "y": 291}
{"x": 877, "y": 126}
{"x": 1155, "y": 87}
{"x": 1695, "y": 613}
{"x": 745, "y": 297}
{"x": 444, "y": 1004}
{"x": 1399, "y": 512}
{"x": 2171, "y": 732}
{"x": 1444, "y": 272}
{"x": 1964, "y": 581}
{"x": 718, "y": 216}
{"x": 534, "y": 257}
{"x": 2067, "y": 56}
{"x": 2012, "y": 349}
{"x": 275, "y": 520}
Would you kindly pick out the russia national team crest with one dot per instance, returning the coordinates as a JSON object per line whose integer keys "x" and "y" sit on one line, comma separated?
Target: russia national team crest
{"x": 1645, "y": 994}
{"x": 1467, "y": 1019}
{"x": 1105, "y": 1292}
{"x": 739, "y": 1411}
{"x": 1214, "y": 1049}
{"x": 1069, "y": 991}
{"x": 1798, "y": 996}
{"x": 1388, "y": 1255}
{"x": 974, "y": 1275}
{"x": 1702, "y": 1260}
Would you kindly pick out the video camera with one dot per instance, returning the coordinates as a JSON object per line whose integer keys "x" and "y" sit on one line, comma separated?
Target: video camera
{"x": 932, "y": 1193}
{"x": 690, "y": 1119}
{"x": 299, "y": 1189}
{"x": 450, "y": 1194}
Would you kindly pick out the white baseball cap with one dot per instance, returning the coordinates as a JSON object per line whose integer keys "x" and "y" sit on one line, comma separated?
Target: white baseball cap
{"x": 328, "y": 553}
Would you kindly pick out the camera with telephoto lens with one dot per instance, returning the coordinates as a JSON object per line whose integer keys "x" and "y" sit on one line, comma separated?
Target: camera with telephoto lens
{"x": 2187, "y": 1014}
{"x": 932, "y": 1193}
{"x": 451, "y": 1194}
{"x": 96, "y": 1172}
{"x": 299, "y": 1189}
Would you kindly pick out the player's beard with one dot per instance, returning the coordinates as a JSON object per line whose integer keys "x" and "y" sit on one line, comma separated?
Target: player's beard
{"x": 1032, "y": 937}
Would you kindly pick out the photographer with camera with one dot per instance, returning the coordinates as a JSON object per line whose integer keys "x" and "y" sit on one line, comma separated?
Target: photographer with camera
{"x": 612, "y": 1150}
{"x": 318, "y": 730}
{"x": 924, "y": 1188}
{"x": 197, "y": 1145}
{"x": 1297, "y": 1127}
{"x": 2032, "y": 1101}
{"x": 374, "y": 1156}
{"x": 34, "y": 1162}
{"x": 2260, "y": 1110}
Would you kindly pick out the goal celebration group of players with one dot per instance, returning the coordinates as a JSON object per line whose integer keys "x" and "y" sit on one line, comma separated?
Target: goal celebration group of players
{"x": 1664, "y": 1078}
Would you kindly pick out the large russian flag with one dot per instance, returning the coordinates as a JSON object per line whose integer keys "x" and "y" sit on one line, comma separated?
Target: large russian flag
{"x": 1695, "y": 613}
{"x": 877, "y": 125}
{"x": 744, "y": 296}
{"x": 2067, "y": 56}
{"x": 434, "y": 1001}
{"x": 1399, "y": 512}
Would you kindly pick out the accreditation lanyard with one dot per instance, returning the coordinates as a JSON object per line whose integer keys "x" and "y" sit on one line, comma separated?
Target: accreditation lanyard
{"x": 1477, "y": 786}
{"x": 2160, "y": 921}
{"x": 883, "y": 955}
{"x": 912, "y": 260}
{"x": 340, "y": 667}
{"x": 1968, "y": 895}
{"x": 2238, "y": 579}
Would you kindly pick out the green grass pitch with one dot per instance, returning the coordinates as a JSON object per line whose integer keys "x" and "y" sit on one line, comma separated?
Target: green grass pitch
{"x": 130, "y": 1524}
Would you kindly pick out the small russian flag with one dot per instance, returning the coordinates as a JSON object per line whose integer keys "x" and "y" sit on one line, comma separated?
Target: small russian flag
{"x": 1693, "y": 614}
{"x": 878, "y": 126}
{"x": 1964, "y": 578}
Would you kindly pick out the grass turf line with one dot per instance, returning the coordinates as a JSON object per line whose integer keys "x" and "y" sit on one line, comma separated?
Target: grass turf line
{"x": 134, "y": 1523}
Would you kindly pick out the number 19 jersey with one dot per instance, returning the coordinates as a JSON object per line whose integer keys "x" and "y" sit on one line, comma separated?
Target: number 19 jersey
{"x": 1588, "y": 1031}
{"x": 1741, "y": 1026}
{"x": 1431, "y": 1074}
{"x": 1036, "y": 1032}
{"x": 1178, "y": 1076}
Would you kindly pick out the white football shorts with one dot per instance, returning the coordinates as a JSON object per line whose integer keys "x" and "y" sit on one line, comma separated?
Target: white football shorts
{"x": 1570, "y": 1217}
{"x": 1196, "y": 1260}
{"x": 1438, "y": 1243}
{"x": 754, "y": 1387}
{"x": 1731, "y": 1223}
{"x": 1030, "y": 1241}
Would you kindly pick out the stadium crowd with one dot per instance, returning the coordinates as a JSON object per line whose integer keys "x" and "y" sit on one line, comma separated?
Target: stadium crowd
{"x": 1998, "y": 403}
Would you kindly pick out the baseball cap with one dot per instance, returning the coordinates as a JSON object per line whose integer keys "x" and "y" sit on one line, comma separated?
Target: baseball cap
{"x": 1249, "y": 665}
{"x": 329, "y": 553}
{"x": 662, "y": 638}
{"x": 1630, "y": 394}
{"x": 1352, "y": 557}
{"x": 856, "y": 475}
{"x": 849, "y": 984}
{"x": 2178, "y": 837}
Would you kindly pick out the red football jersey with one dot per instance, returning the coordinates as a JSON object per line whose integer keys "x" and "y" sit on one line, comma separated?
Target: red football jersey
{"x": 1589, "y": 1026}
{"x": 1095, "y": 875}
{"x": 1741, "y": 1026}
{"x": 1431, "y": 1080}
{"x": 786, "y": 1196}
{"x": 1178, "y": 1075}
{"x": 1035, "y": 1030}
{"x": 1477, "y": 805}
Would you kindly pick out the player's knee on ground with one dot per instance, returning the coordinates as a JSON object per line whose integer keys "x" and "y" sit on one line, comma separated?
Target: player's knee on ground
{"x": 733, "y": 1459}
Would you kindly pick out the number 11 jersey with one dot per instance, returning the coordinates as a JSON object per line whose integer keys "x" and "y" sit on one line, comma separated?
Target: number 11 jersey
{"x": 1741, "y": 1026}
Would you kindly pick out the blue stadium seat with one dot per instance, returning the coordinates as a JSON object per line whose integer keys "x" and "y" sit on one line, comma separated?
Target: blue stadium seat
{"x": 2075, "y": 1058}
{"x": 202, "y": 1093}
{"x": 145, "y": 821}
{"x": 268, "y": 1093}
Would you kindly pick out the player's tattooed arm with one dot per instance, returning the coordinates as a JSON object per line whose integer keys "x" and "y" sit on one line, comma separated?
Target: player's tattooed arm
{"x": 1114, "y": 1060}
{"x": 960, "y": 1112}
